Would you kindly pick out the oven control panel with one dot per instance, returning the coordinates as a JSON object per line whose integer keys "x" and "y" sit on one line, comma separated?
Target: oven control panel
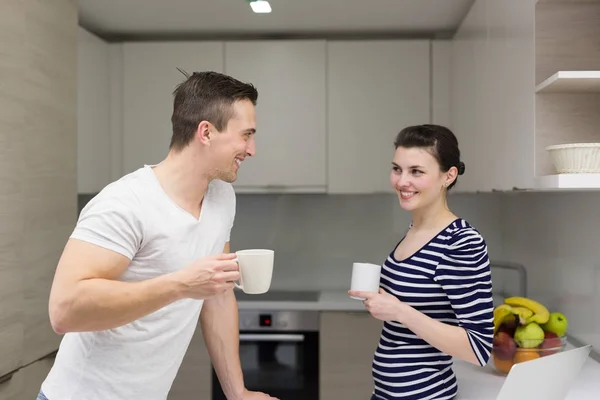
{"x": 279, "y": 320}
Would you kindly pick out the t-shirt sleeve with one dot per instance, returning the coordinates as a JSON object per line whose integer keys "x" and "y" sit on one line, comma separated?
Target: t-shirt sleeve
{"x": 465, "y": 276}
{"x": 111, "y": 221}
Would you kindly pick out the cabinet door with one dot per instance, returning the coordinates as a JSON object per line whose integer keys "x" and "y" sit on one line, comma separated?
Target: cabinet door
{"x": 347, "y": 345}
{"x": 150, "y": 76}
{"x": 93, "y": 118}
{"x": 374, "y": 89}
{"x": 194, "y": 379}
{"x": 290, "y": 115}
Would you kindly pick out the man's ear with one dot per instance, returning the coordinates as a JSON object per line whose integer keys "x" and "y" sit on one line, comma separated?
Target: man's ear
{"x": 203, "y": 133}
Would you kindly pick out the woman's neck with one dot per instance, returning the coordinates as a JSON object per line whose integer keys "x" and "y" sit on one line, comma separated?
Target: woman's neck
{"x": 432, "y": 217}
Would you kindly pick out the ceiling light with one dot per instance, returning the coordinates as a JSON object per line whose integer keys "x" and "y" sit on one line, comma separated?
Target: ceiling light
{"x": 260, "y": 6}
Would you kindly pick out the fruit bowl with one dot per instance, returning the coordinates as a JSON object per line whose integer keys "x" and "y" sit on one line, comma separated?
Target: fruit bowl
{"x": 503, "y": 358}
{"x": 525, "y": 330}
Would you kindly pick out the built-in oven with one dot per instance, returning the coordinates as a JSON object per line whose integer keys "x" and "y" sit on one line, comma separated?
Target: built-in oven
{"x": 279, "y": 354}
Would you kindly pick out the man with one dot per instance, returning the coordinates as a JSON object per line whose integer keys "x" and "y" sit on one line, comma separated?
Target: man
{"x": 150, "y": 255}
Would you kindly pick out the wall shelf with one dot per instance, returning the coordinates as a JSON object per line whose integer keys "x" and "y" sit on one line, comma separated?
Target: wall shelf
{"x": 569, "y": 181}
{"x": 571, "y": 82}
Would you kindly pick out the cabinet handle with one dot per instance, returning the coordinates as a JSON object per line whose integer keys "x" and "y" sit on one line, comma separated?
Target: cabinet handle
{"x": 258, "y": 337}
{"x": 7, "y": 377}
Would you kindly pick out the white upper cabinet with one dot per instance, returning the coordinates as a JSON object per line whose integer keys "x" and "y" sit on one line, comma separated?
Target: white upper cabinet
{"x": 374, "y": 89}
{"x": 524, "y": 77}
{"x": 150, "y": 76}
{"x": 291, "y": 138}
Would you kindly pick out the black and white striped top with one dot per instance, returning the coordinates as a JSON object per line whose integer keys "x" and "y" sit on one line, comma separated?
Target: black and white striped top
{"x": 449, "y": 280}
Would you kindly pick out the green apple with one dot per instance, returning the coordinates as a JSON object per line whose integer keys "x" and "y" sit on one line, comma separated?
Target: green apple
{"x": 557, "y": 323}
{"x": 529, "y": 336}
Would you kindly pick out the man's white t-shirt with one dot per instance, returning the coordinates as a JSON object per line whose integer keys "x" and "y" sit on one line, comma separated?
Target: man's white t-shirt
{"x": 134, "y": 217}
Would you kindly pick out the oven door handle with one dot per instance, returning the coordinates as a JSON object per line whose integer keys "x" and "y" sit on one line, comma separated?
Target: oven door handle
{"x": 269, "y": 337}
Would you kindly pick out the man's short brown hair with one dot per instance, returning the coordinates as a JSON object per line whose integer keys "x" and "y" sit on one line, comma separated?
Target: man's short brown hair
{"x": 205, "y": 96}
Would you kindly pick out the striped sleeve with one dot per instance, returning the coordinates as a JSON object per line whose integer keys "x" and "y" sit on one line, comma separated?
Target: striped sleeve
{"x": 465, "y": 276}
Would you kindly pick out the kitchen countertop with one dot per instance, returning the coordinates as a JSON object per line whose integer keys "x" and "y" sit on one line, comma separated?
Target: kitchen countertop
{"x": 475, "y": 383}
{"x": 328, "y": 300}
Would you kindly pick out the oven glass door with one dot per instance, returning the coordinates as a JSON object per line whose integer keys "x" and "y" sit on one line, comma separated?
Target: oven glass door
{"x": 281, "y": 364}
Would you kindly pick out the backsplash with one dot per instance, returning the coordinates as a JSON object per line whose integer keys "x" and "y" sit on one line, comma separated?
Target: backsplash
{"x": 556, "y": 235}
{"x": 316, "y": 238}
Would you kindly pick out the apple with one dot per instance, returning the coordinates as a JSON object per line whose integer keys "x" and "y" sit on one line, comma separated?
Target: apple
{"x": 504, "y": 346}
{"x": 552, "y": 344}
{"x": 529, "y": 336}
{"x": 509, "y": 326}
{"x": 557, "y": 323}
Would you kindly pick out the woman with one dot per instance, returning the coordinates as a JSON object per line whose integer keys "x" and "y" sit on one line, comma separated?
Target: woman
{"x": 436, "y": 291}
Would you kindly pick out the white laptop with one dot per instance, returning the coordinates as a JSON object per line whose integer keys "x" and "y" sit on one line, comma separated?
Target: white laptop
{"x": 548, "y": 378}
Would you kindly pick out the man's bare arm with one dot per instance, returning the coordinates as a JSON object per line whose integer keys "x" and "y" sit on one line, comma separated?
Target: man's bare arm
{"x": 86, "y": 295}
{"x": 220, "y": 325}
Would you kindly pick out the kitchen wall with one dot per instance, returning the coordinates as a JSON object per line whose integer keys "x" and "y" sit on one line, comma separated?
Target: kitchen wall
{"x": 318, "y": 237}
{"x": 556, "y": 235}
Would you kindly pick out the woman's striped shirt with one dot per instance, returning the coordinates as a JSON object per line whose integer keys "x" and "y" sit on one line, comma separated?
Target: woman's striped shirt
{"x": 449, "y": 280}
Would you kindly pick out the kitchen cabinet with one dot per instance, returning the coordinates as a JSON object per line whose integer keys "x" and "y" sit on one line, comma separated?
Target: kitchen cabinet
{"x": 347, "y": 342}
{"x": 194, "y": 379}
{"x": 374, "y": 89}
{"x": 150, "y": 76}
{"x": 291, "y": 138}
{"x": 509, "y": 96}
{"x": 93, "y": 118}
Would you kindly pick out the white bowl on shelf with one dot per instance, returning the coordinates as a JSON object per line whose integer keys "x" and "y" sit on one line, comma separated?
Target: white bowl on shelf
{"x": 575, "y": 158}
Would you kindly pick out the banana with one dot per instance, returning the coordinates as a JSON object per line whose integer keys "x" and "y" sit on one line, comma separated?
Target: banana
{"x": 522, "y": 313}
{"x": 500, "y": 313}
{"x": 540, "y": 312}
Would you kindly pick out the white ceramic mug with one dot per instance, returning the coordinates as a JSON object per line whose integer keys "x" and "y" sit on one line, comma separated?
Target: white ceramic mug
{"x": 256, "y": 270}
{"x": 365, "y": 277}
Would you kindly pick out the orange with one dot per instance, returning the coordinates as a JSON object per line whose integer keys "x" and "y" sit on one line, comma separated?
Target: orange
{"x": 525, "y": 355}
{"x": 503, "y": 365}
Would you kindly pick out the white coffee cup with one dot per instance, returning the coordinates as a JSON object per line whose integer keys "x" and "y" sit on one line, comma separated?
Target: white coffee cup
{"x": 365, "y": 278}
{"x": 256, "y": 270}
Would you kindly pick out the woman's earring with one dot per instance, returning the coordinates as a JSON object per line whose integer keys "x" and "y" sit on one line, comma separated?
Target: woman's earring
{"x": 446, "y": 184}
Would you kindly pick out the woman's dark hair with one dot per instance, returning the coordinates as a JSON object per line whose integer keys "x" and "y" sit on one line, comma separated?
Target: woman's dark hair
{"x": 438, "y": 140}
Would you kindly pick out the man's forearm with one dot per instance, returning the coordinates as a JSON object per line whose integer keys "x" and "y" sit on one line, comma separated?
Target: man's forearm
{"x": 220, "y": 326}
{"x": 100, "y": 304}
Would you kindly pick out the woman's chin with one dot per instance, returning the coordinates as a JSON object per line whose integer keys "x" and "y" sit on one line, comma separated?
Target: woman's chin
{"x": 408, "y": 205}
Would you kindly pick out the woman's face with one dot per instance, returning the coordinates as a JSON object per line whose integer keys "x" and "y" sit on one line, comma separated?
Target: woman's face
{"x": 417, "y": 178}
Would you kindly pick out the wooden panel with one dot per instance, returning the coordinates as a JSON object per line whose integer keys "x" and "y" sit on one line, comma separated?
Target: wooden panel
{"x": 347, "y": 344}
{"x": 194, "y": 379}
{"x": 13, "y": 389}
{"x": 37, "y": 168}
{"x": 34, "y": 375}
{"x": 567, "y": 37}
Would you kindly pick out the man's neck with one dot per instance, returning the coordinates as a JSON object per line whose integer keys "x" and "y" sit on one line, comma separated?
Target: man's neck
{"x": 183, "y": 179}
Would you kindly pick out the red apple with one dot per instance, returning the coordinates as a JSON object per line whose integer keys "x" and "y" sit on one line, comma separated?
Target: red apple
{"x": 504, "y": 346}
{"x": 509, "y": 326}
{"x": 551, "y": 344}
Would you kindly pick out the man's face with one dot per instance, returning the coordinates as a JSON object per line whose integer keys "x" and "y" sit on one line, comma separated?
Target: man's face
{"x": 230, "y": 147}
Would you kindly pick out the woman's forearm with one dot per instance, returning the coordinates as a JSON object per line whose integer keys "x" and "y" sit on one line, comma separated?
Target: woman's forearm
{"x": 452, "y": 340}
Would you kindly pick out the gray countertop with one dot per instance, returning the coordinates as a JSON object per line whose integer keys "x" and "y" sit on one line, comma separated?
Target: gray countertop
{"x": 327, "y": 300}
